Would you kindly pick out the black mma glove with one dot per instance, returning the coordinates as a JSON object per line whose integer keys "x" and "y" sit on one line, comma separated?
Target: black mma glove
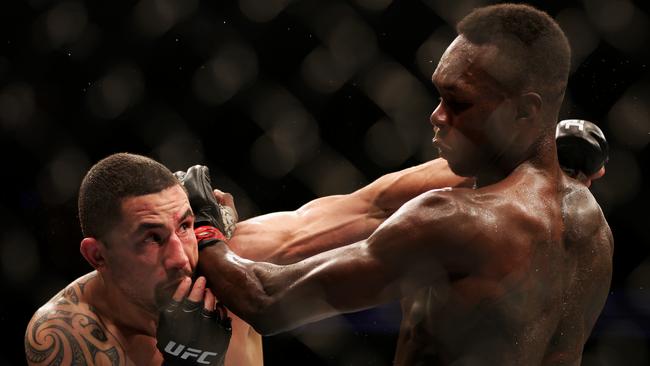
{"x": 188, "y": 334}
{"x": 212, "y": 221}
{"x": 581, "y": 147}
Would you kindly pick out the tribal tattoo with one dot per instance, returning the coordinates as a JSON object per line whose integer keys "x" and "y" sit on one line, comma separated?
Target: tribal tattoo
{"x": 71, "y": 333}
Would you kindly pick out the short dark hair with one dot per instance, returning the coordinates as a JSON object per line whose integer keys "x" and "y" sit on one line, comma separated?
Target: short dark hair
{"x": 110, "y": 181}
{"x": 534, "y": 44}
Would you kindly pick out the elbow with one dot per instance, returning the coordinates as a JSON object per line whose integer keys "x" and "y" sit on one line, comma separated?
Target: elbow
{"x": 260, "y": 304}
{"x": 261, "y": 317}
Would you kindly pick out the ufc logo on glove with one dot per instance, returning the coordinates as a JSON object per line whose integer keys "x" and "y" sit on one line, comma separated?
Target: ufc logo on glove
{"x": 175, "y": 349}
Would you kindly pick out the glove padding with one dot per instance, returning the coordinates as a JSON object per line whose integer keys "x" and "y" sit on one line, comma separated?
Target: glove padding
{"x": 207, "y": 211}
{"x": 581, "y": 147}
{"x": 188, "y": 334}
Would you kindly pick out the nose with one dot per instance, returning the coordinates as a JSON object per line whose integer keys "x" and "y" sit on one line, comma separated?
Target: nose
{"x": 439, "y": 117}
{"x": 175, "y": 255}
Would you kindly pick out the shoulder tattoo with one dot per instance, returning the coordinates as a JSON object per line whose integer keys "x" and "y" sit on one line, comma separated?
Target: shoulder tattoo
{"x": 71, "y": 334}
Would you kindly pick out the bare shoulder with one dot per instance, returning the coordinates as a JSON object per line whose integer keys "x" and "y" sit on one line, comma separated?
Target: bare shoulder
{"x": 450, "y": 209}
{"x": 68, "y": 331}
{"x": 584, "y": 221}
{"x": 439, "y": 219}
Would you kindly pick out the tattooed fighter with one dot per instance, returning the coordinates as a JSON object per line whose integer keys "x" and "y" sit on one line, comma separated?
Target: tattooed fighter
{"x": 137, "y": 225}
{"x": 134, "y": 309}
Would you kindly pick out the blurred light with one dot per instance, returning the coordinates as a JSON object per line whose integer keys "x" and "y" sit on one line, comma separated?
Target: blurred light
{"x": 286, "y": 122}
{"x": 610, "y": 15}
{"x": 153, "y": 18}
{"x": 179, "y": 150}
{"x": 232, "y": 68}
{"x": 412, "y": 119}
{"x": 622, "y": 24}
{"x": 329, "y": 173}
{"x": 17, "y": 106}
{"x": 63, "y": 175}
{"x": 110, "y": 96}
{"x": 89, "y": 40}
{"x": 374, "y": 5}
{"x": 621, "y": 182}
{"x": 322, "y": 73}
{"x": 262, "y": 11}
{"x": 404, "y": 99}
{"x": 66, "y": 22}
{"x": 388, "y": 85}
{"x": 19, "y": 256}
{"x": 352, "y": 43}
{"x": 429, "y": 53}
{"x": 393, "y": 88}
{"x": 454, "y": 11}
{"x": 272, "y": 160}
{"x": 296, "y": 128}
{"x": 384, "y": 145}
{"x": 629, "y": 118}
{"x": 581, "y": 35}
{"x": 349, "y": 45}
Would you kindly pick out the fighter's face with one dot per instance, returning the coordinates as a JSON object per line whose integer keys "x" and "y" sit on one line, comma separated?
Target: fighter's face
{"x": 153, "y": 247}
{"x": 471, "y": 121}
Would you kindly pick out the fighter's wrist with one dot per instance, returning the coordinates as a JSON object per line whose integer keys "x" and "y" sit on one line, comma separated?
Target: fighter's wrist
{"x": 209, "y": 235}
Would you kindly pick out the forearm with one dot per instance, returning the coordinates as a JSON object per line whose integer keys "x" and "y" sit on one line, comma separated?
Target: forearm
{"x": 277, "y": 298}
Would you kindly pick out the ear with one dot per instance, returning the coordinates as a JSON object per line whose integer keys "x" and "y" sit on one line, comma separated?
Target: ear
{"x": 93, "y": 250}
{"x": 529, "y": 106}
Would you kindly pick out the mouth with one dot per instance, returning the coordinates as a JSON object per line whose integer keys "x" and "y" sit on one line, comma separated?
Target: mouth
{"x": 437, "y": 142}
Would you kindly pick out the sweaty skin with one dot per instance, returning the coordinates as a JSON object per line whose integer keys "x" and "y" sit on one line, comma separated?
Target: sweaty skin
{"x": 514, "y": 272}
{"x": 323, "y": 224}
{"x": 99, "y": 321}
{"x": 109, "y": 316}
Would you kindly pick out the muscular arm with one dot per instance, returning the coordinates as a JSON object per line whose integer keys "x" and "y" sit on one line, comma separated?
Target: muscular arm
{"x": 408, "y": 251}
{"x": 334, "y": 221}
{"x": 68, "y": 332}
{"x": 320, "y": 225}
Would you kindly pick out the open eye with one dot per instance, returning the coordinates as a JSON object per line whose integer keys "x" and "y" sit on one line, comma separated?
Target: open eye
{"x": 457, "y": 106}
{"x": 152, "y": 238}
{"x": 185, "y": 227}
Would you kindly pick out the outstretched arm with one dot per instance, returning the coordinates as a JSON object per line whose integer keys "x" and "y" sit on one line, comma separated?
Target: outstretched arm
{"x": 335, "y": 221}
{"x": 408, "y": 251}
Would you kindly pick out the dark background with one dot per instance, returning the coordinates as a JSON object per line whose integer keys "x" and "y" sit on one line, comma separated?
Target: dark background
{"x": 285, "y": 102}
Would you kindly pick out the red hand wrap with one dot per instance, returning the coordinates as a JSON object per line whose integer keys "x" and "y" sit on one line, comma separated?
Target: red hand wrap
{"x": 208, "y": 233}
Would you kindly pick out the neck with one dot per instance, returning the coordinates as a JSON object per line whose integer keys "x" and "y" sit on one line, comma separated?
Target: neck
{"x": 129, "y": 316}
{"x": 541, "y": 154}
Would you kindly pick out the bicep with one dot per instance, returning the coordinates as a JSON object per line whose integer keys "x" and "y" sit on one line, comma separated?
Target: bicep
{"x": 392, "y": 262}
{"x": 70, "y": 336}
{"x": 334, "y": 221}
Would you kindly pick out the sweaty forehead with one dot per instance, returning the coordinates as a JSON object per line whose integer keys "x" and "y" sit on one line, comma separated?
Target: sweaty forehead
{"x": 170, "y": 203}
{"x": 463, "y": 66}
